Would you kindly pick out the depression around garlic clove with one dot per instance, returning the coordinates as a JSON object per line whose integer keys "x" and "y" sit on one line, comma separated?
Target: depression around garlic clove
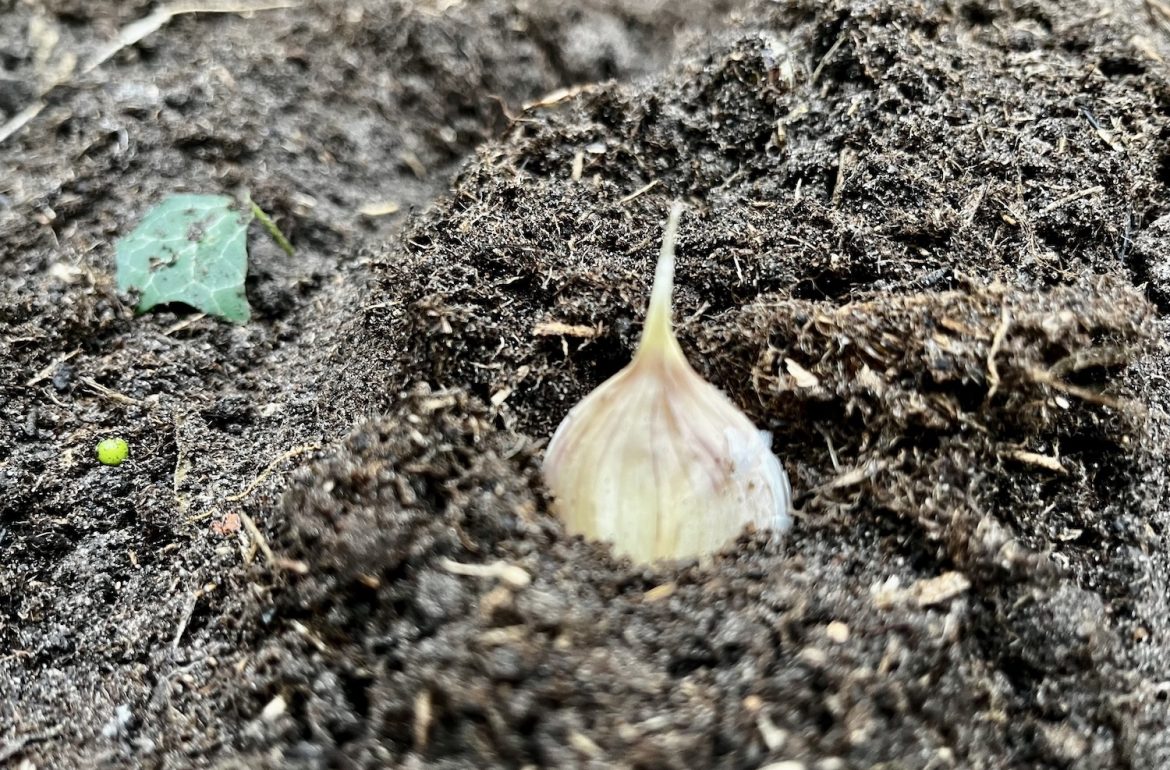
{"x": 658, "y": 461}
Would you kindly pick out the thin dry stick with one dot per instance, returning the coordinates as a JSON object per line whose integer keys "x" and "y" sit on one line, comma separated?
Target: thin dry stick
{"x": 1047, "y": 462}
{"x": 186, "y": 322}
{"x": 1091, "y": 396}
{"x": 109, "y": 393}
{"x": 132, "y": 33}
{"x": 181, "y": 466}
{"x": 558, "y": 96}
{"x": 640, "y": 191}
{"x": 260, "y": 541}
{"x": 1070, "y": 198}
{"x": 185, "y": 619}
{"x": 294, "y": 452}
{"x": 304, "y": 631}
{"x": 512, "y": 574}
{"x": 997, "y": 339}
{"x": 423, "y": 718}
{"x": 136, "y": 31}
{"x": 843, "y": 162}
{"x": 816, "y": 73}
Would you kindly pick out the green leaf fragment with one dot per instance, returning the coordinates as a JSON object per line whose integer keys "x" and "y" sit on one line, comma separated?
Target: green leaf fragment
{"x": 191, "y": 249}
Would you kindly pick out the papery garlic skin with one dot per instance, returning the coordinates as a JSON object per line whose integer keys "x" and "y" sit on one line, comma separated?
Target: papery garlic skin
{"x": 658, "y": 461}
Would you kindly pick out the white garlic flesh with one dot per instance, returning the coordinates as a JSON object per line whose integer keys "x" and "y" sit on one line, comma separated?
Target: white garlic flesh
{"x": 658, "y": 461}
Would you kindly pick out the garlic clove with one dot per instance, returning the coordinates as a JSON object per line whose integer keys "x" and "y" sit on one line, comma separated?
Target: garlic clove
{"x": 658, "y": 461}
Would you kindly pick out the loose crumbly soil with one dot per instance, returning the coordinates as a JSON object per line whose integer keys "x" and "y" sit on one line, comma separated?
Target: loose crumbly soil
{"x": 926, "y": 245}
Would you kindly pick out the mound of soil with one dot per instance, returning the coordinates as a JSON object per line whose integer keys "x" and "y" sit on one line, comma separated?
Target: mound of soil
{"x": 925, "y": 246}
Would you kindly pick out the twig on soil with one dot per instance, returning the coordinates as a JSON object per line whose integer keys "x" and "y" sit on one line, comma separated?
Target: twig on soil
{"x": 380, "y": 208}
{"x": 181, "y": 467}
{"x": 637, "y": 193}
{"x": 843, "y": 161}
{"x": 693, "y": 317}
{"x": 971, "y": 207}
{"x": 660, "y": 592}
{"x": 856, "y": 476}
{"x": 584, "y": 744}
{"x": 52, "y": 367}
{"x": 816, "y": 73}
{"x": 186, "y": 322}
{"x": 1103, "y": 134}
{"x": 259, "y": 539}
{"x": 109, "y": 393}
{"x": 20, "y": 120}
{"x": 832, "y": 451}
{"x": 48, "y": 393}
{"x": 997, "y": 339}
{"x": 201, "y": 516}
{"x": 248, "y": 547}
{"x": 1070, "y": 198}
{"x": 294, "y": 452}
{"x": 803, "y": 377}
{"x": 304, "y": 631}
{"x": 1126, "y": 237}
{"x": 511, "y": 574}
{"x": 502, "y": 636}
{"x": 423, "y": 718}
{"x": 14, "y": 655}
{"x": 136, "y": 31}
{"x": 1041, "y": 461}
{"x": 299, "y": 567}
{"x": 932, "y": 592}
{"x": 774, "y": 737}
{"x": 185, "y": 618}
{"x": 133, "y": 33}
{"x": 558, "y": 96}
{"x": 510, "y": 116}
{"x": 559, "y": 329}
{"x": 1047, "y": 378}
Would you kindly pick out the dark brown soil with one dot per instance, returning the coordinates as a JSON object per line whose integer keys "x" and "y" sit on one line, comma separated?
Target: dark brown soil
{"x": 927, "y": 245}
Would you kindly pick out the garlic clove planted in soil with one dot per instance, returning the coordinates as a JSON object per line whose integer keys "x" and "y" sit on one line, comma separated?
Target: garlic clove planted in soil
{"x": 658, "y": 461}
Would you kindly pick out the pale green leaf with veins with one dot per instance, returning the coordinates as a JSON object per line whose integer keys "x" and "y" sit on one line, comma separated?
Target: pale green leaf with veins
{"x": 191, "y": 249}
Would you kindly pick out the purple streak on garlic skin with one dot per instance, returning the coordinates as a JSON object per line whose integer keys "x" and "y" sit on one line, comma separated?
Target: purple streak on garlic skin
{"x": 658, "y": 461}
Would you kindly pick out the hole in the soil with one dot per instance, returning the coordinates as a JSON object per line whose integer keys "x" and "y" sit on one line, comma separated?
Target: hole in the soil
{"x": 911, "y": 92}
{"x": 1093, "y": 376}
{"x": 900, "y": 536}
{"x": 599, "y": 361}
{"x": 824, "y": 285}
{"x": 681, "y": 667}
{"x": 1163, "y": 171}
{"x": 213, "y": 146}
{"x": 1033, "y": 13}
{"x": 1120, "y": 66}
{"x": 977, "y": 14}
{"x": 357, "y": 694}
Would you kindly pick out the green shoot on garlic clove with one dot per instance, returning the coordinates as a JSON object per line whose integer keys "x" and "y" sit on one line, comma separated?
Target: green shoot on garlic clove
{"x": 658, "y": 461}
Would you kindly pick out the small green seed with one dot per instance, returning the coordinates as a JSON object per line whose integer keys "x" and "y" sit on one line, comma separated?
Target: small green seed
{"x": 113, "y": 451}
